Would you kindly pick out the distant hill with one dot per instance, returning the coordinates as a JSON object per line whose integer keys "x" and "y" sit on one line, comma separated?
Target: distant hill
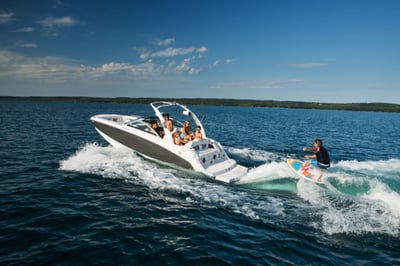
{"x": 372, "y": 107}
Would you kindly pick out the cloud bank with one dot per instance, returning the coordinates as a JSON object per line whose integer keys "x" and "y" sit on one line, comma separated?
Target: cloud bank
{"x": 6, "y": 17}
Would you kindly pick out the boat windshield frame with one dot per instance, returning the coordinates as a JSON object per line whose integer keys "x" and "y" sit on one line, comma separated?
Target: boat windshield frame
{"x": 160, "y": 106}
{"x": 142, "y": 125}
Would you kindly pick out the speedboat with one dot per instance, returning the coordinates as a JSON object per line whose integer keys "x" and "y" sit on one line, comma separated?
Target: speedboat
{"x": 204, "y": 155}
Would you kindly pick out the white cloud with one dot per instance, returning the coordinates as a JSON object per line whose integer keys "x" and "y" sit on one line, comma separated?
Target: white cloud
{"x": 113, "y": 67}
{"x": 186, "y": 66}
{"x": 29, "y": 45}
{"x": 165, "y": 42}
{"x": 51, "y": 24}
{"x": 202, "y": 49}
{"x": 6, "y": 17}
{"x": 25, "y": 29}
{"x": 219, "y": 62}
{"x": 48, "y": 69}
{"x": 258, "y": 84}
{"x": 215, "y": 63}
{"x": 138, "y": 71}
{"x": 144, "y": 55}
{"x": 179, "y": 66}
{"x": 170, "y": 52}
{"x": 308, "y": 65}
{"x": 57, "y": 70}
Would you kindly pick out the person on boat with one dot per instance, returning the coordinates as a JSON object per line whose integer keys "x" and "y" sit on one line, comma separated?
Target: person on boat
{"x": 321, "y": 154}
{"x": 168, "y": 122}
{"x": 177, "y": 139}
{"x": 197, "y": 134}
{"x": 159, "y": 130}
{"x": 186, "y": 132}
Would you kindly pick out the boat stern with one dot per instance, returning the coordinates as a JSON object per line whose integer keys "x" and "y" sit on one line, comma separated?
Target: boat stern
{"x": 227, "y": 171}
{"x": 232, "y": 175}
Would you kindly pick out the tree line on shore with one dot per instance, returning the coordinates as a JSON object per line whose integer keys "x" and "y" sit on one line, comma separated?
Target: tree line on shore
{"x": 374, "y": 107}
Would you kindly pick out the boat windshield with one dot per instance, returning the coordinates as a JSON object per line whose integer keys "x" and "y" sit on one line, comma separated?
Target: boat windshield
{"x": 140, "y": 124}
{"x": 151, "y": 119}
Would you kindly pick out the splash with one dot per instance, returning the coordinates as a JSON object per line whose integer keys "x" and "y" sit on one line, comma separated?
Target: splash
{"x": 269, "y": 171}
{"x": 94, "y": 159}
{"x": 359, "y": 197}
{"x": 124, "y": 164}
{"x": 375, "y": 166}
{"x": 274, "y": 174}
{"x": 362, "y": 198}
{"x": 254, "y": 154}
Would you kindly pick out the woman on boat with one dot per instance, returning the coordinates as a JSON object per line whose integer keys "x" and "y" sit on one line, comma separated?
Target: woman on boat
{"x": 186, "y": 132}
{"x": 177, "y": 139}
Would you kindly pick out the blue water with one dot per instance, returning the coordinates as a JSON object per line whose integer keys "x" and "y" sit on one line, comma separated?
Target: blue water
{"x": 69, "y": 198}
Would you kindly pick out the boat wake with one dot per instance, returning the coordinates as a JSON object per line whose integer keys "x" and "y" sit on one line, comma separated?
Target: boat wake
{"x": 359, "y": 197}
{"x": 124, "y": 164}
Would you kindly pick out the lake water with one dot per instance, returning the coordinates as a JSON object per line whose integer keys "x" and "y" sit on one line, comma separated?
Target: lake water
{"x": 69, "y": 198}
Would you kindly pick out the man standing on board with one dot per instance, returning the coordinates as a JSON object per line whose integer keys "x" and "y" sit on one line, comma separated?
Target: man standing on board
{"x": 321, "y": 154}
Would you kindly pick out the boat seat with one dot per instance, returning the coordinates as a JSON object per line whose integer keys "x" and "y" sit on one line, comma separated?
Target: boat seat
{"x": 199, "y": 145}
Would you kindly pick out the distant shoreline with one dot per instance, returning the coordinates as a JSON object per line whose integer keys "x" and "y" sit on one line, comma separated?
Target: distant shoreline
{"x": 370, "y": 107}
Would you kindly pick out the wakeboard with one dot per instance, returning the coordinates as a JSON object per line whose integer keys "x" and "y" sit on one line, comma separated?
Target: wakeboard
{"x": 305, "y": 170}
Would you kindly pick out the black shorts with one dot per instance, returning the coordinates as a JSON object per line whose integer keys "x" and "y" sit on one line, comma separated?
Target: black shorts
{"x": 323, "y": 166}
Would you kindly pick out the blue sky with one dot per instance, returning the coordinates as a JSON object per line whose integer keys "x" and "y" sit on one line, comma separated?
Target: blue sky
{"x": 299, "y": 50}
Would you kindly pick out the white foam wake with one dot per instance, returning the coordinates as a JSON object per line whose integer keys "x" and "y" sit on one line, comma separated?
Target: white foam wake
{"x": 124, "y": 164}
{"x": 254, "y": 154}
{"x": 362, "y": 202}
{"x": 374, "y": 207}
{"x": 267, "y": 172}
{"x": 381, "y": 166}
{"x": 274, "y": 167}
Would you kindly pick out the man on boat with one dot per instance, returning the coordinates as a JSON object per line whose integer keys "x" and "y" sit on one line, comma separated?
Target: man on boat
{"x": 168, "y": 122}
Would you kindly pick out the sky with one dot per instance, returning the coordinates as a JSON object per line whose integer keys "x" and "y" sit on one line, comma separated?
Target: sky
{"x": 331, "y": 51}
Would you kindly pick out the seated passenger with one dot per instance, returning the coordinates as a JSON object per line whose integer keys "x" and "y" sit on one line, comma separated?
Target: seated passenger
{"x": 159, "y": 130}
{"x": 177, "y": 139}
{"x": 197, "y": 134}
{"x": 186, "y": 132}
{"x": 168, "y": 122}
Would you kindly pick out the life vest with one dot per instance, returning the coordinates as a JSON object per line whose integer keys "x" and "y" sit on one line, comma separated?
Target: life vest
{"x": 323, "y": 156}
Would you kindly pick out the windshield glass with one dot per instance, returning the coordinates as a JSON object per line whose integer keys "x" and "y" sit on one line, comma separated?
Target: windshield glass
{"x": 139, "y": 124}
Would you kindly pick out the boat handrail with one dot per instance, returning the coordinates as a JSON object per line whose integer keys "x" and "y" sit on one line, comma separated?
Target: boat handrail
{"x": 186, "y": 111}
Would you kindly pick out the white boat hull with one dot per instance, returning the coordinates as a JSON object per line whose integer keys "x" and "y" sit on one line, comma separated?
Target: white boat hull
{"x": 205, "y": 156}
